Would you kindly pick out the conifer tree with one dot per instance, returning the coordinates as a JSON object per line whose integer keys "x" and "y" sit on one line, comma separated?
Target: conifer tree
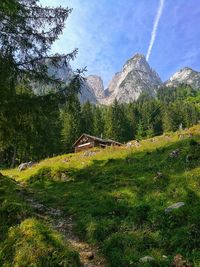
{"x": 87, "y": 118}
{"x": 116, "y": 123}
{"x": 99, "y": 123}
{"x": 72, "y": 122}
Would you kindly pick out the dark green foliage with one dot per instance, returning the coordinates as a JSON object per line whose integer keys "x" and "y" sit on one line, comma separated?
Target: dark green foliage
{"x": 116, "y": 123}
{"x": 87, "y": 118}
{"x": 71, "y": 122}
{"x": 29, "y": 124}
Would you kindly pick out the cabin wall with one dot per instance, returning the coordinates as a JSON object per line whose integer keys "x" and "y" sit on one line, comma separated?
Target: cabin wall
{"x": 84, "y": 145}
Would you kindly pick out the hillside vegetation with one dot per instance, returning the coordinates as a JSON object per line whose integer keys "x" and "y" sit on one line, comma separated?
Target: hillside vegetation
{"x": 118, "y": 199}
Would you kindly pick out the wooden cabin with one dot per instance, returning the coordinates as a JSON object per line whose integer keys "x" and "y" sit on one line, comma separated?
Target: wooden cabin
{"x": 87, "y": 141}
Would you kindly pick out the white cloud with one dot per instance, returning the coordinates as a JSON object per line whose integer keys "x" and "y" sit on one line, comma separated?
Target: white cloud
{"x": 155, "y": 27}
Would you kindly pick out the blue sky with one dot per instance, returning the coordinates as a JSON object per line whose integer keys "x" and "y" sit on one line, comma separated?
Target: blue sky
{"x": 108, "y": 32}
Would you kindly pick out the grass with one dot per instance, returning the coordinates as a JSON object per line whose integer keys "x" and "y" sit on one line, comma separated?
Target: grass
{"x": 25, "y": 240}
{"x": 118, "y": 200}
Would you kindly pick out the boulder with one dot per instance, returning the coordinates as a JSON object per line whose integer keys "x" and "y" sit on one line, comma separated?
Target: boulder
{"x": 146, "y": 259}
{"x": 89, "y": 153}
{"x": 158, "y": 176}
{"x": 175, "y": 153}
{"x": 24, "y": 166}
{"x": 178, "y": 261}
{"x": 129, "y": 145}
{"x": 174, "y": 206}
{"x": 88, "y": 255}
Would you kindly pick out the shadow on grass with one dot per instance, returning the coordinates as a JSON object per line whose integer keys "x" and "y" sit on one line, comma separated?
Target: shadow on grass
{"x": 120, "y": 203}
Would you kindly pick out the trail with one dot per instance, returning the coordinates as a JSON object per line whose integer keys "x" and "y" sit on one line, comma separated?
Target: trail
{"x": 89, "y": 254}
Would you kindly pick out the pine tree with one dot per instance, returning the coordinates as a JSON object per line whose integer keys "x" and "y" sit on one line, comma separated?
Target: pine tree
{"x": 116, "y": 123}
{"x": 72, "y": 122}
{"x": 27, "y": 31}
{"x": 99, "y": 123}
{"x": 87, "y": 118}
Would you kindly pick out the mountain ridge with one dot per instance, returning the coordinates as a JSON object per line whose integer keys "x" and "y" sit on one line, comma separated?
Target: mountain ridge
{"x": 136, "y": 77}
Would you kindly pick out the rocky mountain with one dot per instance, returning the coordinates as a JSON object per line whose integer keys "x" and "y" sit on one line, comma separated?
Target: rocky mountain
{"x": 96, "y": 84}
{"x": 135, "y": 78}
{"x": 91, "y": 87}
{"x": 185, "y": 76}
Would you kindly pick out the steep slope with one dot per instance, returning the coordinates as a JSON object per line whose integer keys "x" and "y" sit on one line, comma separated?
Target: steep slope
{"x": 185, "y": 76}
{"x": 65, "y": 73}
{"x": 139, "y": 203}
{"x": 135, "y": 78}
{"x": 96, "y": 84}
{"x": 92, "y": 89}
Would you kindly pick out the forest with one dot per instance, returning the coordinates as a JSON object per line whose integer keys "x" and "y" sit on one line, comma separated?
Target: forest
{"x": 45, "y": 126}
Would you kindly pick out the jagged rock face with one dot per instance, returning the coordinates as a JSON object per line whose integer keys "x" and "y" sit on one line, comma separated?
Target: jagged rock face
{"x": 65, "y": 73}
{"x": 96, "y": 84}
{"x": 135, "y": 78}
{"x": 87, "y": 90}
{"x": 185, "y": 76}
{"x": 87, "y": 94}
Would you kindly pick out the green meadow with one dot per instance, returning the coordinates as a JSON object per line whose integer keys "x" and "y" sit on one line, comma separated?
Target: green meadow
{"x": 117, "y": 198}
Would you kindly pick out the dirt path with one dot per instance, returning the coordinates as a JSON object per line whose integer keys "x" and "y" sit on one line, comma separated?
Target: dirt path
{"x": 89, "y": 254}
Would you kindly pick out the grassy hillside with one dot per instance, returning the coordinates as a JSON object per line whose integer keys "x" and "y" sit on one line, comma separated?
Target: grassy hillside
{"x": 117, "y": 198}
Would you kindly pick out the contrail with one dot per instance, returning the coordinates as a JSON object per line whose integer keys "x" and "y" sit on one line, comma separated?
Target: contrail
{"x": 155, "y": 27}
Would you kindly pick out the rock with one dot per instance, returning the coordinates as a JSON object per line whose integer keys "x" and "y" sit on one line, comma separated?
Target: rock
{"x": 135, "y": 78}
{"x": 137, "y": 144}
{"x": 23, "y": 166}
{"x": 175, "y": 153}
{"x": 54, "y": 212}
{"x": 88, "y": 255}
{"x": 178, "y": 261}
{"x": 64, "y": 177}
{"x": 26, "y": 165}
{"x": 146, "y": 259}
{"x": 186, "y": 76}
{"x": 89, "y": 153}
{"x": 66, "y": 160}
{"x": 129, "y": 145}
{"x": 129, "y": 160}
{"x": 96, "y": 84}
{"x": 181, "y": 136}
{"x": 158, "y": 176}
{"x": 174, "y": 206}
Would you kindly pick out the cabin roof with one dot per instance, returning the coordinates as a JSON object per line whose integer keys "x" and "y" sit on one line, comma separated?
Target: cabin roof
{"x": 97, "y": 139}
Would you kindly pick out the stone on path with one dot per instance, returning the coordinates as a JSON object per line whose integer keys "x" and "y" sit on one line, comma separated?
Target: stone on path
{"x": 174, "y": 206}
{"x": 146, "y": 259}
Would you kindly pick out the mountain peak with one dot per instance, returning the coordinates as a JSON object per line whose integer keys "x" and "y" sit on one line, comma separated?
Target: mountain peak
{"x": 186, "y": 69}
{"x": 137, "y": 62}
{"x": 136, "y": 77}
{"x": 185, "y": 76}
{"x": 139, "y": 56}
